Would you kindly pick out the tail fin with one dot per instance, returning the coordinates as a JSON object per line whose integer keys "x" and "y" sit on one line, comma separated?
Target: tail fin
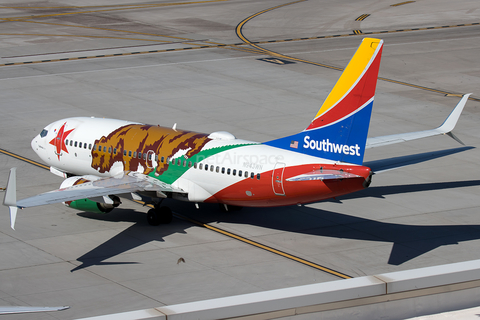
{"x": 339, "y": 130}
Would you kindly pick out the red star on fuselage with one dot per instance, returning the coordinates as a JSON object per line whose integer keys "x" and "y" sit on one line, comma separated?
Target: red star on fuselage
{"x": 59, "y": 140}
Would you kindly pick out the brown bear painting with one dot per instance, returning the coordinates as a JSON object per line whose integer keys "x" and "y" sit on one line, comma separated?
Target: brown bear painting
{"x": 122, "y": 146}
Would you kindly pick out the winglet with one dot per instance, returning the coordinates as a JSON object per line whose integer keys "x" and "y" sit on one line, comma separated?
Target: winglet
{"x": 452, "y": 119}
{"x": 10, "y": 199}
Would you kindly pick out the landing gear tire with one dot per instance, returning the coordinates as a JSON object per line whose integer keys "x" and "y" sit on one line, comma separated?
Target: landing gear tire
{"x": 161, "y": 215}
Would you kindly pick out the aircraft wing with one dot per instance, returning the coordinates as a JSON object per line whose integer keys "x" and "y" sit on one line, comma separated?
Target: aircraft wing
{"x": 126, "y": 182}
{"x": 445, "y": 128}
{"x": 21, "y": 309}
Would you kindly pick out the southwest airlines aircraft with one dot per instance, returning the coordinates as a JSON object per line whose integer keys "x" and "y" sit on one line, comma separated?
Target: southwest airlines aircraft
{"x": 104, "y": 159}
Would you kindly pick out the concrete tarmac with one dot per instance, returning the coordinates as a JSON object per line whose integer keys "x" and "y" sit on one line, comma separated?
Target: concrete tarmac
{"x": 166, "y": 62}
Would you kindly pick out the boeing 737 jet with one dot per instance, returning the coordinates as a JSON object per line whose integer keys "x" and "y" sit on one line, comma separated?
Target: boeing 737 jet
{"x": 104, "y": 160}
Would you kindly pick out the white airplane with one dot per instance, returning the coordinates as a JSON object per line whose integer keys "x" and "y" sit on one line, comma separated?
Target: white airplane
{"x": 105, "y": 159}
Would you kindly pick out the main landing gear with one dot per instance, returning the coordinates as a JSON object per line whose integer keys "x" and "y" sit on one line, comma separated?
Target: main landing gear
{"x": 159, "y": 215}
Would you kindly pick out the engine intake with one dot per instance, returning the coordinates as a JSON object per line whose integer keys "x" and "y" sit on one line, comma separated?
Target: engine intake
{"x": 90, "y": 205}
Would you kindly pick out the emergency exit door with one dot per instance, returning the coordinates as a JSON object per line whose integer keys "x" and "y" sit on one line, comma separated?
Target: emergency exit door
{"x": 277, "y": 179}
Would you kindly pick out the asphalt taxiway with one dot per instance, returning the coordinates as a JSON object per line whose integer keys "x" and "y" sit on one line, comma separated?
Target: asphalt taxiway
{"x": 260, "y": 70}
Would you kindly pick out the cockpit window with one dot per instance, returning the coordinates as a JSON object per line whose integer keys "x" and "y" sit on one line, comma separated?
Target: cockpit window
{"x": 43, "y": 133}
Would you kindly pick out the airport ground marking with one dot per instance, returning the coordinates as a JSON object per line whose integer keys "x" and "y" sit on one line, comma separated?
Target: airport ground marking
{"x": 267, "y": 248}
{"x": 401, "y": 3}
{"x": 112, "y": 30}
{"x": 239, "y": 32}
{"x": 363, "y": 17}
{"x": 117, "y": 8}
{"x": 19, "y": 157}
{"x": 254, "y": 45}
{"x": 256, "y": 244}
{"x": 212, "y": 228}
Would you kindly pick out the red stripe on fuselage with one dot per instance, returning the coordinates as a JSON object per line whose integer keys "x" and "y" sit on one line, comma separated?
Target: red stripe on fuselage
{"x": 259, "y": 193}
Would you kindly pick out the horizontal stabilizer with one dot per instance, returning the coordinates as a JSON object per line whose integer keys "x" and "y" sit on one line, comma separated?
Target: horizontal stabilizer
{"x": 323, "y": 175}
{"x": 10, "y": 199}
{"x": 445, "y": 128}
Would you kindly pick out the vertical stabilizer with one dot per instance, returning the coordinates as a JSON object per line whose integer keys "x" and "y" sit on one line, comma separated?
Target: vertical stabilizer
{"x": 339, "y": 130}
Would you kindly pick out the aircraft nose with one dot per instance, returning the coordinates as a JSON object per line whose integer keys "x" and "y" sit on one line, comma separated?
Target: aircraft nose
{"x": 34, "y": 143}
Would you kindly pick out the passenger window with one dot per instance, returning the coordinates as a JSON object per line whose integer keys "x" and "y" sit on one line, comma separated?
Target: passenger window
{"x": 206, "y": 167}
{"x": 139, "y": 155}
{"x": 129, "y": 153}
{"x": 218, "y": 169}
{"x": 109, "y": 149}
{"x": 161, "y": 160}
{"x": 105, "y": 149}
{"x": 79, "y": 144}
{"x": 66, "y": 142}
{"x": 258, "y": 176}
{"x": 75, "y": 144}
{"x": 84, "y": 145}
{"x": 184, "y": 163}
{"x": 134, "y": 154}
{"x": 200, "y": 166}
{"x": 124, "y": 153}
{"x": 234, "y": 172}
{"x": 228, "y": 171}
{"x": 239, "y": 173}
{"x": 223, "y": 169}
{"x": 179, "y": 161}
{"x": 114, "y": 150}
{"x": 252, "y": 175}
{"x": 211, "y": 168}
{"x": 99, "y": 147}
{"x": 189, "y": 164}
{"x": 246, "y": 174}
{"x": 89, "y": 146}
{"x": 145, "y": 157}
{"x": 195, "y": 165}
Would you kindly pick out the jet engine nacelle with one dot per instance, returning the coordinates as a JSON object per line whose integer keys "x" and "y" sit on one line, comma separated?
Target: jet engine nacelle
{"x": 105, "y": 205}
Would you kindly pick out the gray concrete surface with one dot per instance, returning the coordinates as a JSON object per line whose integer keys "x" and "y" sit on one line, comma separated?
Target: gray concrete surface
{"x": 421, "y": 215}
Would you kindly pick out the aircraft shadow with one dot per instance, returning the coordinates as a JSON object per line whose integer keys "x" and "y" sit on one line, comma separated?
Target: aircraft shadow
{"x": 134, "y": 236}
{"x": 409, "y": 241}
{"x": 402, "y": 161}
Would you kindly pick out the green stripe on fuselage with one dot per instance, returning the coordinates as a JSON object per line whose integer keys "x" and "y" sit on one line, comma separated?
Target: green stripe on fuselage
{"x": 175, "y": 171}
